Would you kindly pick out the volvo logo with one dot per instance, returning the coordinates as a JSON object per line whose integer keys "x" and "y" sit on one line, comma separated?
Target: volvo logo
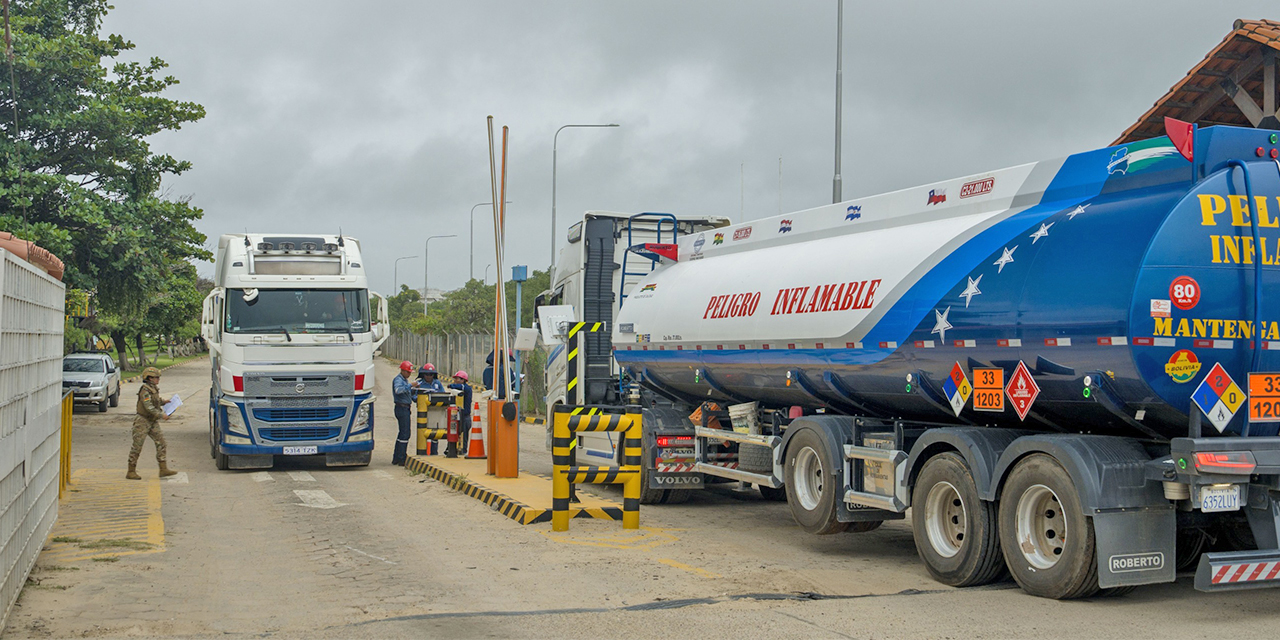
{"x": 300, "y": 387}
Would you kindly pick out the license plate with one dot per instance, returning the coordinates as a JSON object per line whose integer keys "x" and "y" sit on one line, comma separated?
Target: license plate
{"x": 300, "y": 451}
{"x": 1213, "y": 499}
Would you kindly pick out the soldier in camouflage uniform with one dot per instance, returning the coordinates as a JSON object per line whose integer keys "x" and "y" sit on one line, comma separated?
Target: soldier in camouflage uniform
{"x": 150, "y": 412}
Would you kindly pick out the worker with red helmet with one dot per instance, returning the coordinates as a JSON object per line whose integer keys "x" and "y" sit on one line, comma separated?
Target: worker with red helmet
{"x": 403, "y": 393}
{"x": 462, "y": 384}
{"x": 429, "y": 379}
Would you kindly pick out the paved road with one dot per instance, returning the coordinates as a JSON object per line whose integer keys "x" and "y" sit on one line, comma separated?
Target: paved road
{"x": 241, "y": 553}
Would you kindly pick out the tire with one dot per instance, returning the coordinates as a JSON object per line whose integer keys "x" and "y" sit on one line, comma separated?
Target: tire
{"x": 1040, "y": 510}
{"x": 755, "y": 458}
{"x": 115, "y": 398}
{"x": 769, "y": 493}
{"x": 811, "y": 487}
{"x": 647, "y": 495}
{"x": 221, "y": 460}
{"x": 956, "y": 533}
{"x": 864, "y": 526}
{"x": 1190, "y": 544}
{"x": 102, "y": 406}
{"x": 677, "y": 496}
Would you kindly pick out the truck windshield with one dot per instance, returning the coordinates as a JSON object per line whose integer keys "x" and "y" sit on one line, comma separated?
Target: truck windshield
{"x": 83, "y": 365}
{"x": 297, "y": 311}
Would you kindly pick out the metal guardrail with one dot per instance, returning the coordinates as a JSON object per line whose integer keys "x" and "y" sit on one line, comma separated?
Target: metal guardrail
{"x": 565, "y": 428}
{"x": 64, "y": 447}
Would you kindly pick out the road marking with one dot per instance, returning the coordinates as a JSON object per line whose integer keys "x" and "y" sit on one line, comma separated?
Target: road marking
{"x": 316, "y": 499}
{"x": 643, "y": 538}
{"x": 684, "y": 567}
{"x": 384, "y": 474}
{"x": 181, "y": 478}
{"x": 261, "y": 476}
{"x": 301, "y": 476}
{"x": 369, "y": 554}
{"x": 106, "y": 506}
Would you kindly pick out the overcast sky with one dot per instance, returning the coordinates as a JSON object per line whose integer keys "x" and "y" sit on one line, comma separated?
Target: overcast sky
{"x": 370, "y": 116}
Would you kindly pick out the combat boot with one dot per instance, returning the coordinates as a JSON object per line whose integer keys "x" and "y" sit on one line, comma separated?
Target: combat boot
{"x": 165, "y": 471}
{"x": 133, "y": 472}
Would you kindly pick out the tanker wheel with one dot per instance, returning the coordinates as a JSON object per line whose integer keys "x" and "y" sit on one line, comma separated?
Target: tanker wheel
{"x": 677, "y": 496}
{"x": 769, "y": 493}
{"x": 812, "y": 488}
{"x": 865, "y": 526}
{"x": 647, "y": 495}
{"x": 1048, "y": 542}
{"x": 955, "y": 531}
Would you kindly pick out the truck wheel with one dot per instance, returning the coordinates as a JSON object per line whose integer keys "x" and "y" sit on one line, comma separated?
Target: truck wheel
{"x": 769, "y": 493}
{"x": 811, "y": 487}
{"x": 115, "y": 398}
{"x": 955, "y": 531}
{"x": 755, "y": 458}
{"x": 647, "y": 495}
{"x": 1047, "y": 540}
{"x": 865, "y": 526}
{"x": 102, "y": 406}
{"x": 677, "y": 496}
{"x": 221, "y": 460}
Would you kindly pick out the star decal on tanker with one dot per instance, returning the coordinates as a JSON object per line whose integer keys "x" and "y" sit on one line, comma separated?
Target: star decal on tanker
{"x": 1005, "y": 258}
{"x": 1042, "y": 232}
{"x": 1079, "y": 210}
{"x": 971, "y": 290}
{"x": 941, "y": 325}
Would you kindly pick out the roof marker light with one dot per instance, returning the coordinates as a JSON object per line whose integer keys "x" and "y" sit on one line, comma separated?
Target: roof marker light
{"x": 1260, "y": 151}
{"x": 1274, "y": 138}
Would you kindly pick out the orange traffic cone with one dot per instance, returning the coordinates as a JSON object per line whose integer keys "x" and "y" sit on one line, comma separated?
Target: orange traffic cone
{"x": 475, "y": 443}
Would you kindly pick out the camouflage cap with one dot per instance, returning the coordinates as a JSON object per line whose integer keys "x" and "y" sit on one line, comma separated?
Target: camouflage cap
{"x": 150, "y": 372}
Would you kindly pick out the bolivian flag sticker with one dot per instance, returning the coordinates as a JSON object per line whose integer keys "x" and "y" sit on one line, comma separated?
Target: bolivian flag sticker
{"x": 1183, "y": 366}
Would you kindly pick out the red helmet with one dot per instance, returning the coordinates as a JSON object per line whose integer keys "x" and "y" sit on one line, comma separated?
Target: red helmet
{"x": 461, "y": 375}
{"x": 406, "y": 366}
{"x": 427, "y": 368}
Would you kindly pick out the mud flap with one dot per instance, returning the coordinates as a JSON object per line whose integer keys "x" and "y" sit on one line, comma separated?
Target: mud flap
{"x": 349, "y": 459}
{"x": 251, "y": 462}
{"x": 1135, "y": 546}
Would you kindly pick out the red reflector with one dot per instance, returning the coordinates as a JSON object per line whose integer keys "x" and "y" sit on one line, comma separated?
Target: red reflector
{"x": 237, "y": 382}
{"x": 1236, "y": 462}
{"x": 359, "y": 381}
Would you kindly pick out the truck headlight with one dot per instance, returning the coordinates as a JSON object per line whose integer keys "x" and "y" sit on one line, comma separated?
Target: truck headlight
{"x": 362, "y": 416}
{"x": 235, "y": 423}
{"x": 361, "y": 437}
{"x": 236, "y": 440}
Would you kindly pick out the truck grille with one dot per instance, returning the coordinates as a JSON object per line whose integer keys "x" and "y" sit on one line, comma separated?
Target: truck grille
{"x": 299, "y": 414}
{"x": 263, "y": 385}
{"x": 75, "y": 383}
{"x": 298, "y": 433}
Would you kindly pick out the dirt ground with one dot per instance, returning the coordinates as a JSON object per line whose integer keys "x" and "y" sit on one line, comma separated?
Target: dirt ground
{"x": 385, "y": 554}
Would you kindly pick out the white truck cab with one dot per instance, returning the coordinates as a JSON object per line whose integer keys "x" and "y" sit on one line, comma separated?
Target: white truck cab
{"x": 291, "y": 335}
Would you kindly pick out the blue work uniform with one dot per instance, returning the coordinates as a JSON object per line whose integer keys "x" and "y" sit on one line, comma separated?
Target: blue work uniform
{"x": 464, "y": 416}
{"x": 404, "y": 395}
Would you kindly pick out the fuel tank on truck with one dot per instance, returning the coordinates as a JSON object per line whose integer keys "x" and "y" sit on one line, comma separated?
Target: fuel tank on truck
{"x": 1110, "y": 281}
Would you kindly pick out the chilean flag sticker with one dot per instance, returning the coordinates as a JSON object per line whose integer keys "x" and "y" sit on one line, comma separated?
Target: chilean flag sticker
{"x": 1182, "y": 135}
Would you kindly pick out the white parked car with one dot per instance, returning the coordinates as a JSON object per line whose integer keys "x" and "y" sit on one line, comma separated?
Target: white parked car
{"x": 92, "y": 377}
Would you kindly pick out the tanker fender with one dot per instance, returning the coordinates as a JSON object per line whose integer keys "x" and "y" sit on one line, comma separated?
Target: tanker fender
{"x": 1108, "y": 471}
{"x": 836, "y": 431}
{"x": 981, "y": 448}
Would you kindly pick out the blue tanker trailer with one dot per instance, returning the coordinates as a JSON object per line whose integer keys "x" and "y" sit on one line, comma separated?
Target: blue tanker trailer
{"x": 1051, "y": 363}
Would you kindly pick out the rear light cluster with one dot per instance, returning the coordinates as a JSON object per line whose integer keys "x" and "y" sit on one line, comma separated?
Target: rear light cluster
{"x": 675, "y": 441}
{"x": 1229, "y": 462}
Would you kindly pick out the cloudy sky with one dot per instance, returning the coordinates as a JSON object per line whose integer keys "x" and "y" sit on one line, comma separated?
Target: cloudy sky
{"x": 370, "y": 116}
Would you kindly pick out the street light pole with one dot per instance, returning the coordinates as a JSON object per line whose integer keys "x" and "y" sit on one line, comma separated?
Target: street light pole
{"x": 397, "y": 270}
{"x": 835, "y": 183}
{"x": 426, "y": 263}
{"x": 471, "y": 264}
{"x": 554, "y": 143}
{"x": 487, "y": 267}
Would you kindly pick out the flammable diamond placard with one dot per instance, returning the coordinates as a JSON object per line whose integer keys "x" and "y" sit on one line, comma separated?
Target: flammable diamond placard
{"x": 1219, "y": 397}
{"x": 1022, "y": 390}
{"x": 957, "y": 388}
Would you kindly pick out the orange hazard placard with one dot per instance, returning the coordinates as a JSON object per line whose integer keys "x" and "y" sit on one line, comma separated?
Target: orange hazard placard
{"x": 1264, "y": 397}
{"x": 988, "y": 390}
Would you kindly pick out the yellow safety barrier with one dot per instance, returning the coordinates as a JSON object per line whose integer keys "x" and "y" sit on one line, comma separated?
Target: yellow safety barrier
{"x": 567, "y": 422}
{"x": 64, "y": 448}
{"x": 428, "y": 437}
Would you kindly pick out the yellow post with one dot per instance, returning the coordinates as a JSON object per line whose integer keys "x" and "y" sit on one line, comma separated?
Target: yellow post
{"x": 560, "y": 439}
{"x": 631, "y": 463}
{"x": 64, "y": 445}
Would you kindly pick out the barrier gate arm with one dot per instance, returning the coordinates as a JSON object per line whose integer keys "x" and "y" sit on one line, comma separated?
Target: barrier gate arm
{"x": 566, "y": 424}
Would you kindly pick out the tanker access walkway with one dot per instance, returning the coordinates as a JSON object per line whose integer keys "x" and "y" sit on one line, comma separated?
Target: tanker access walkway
{"x": 525, "y": 499}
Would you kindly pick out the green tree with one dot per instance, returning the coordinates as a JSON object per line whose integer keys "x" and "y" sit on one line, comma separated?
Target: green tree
{"x": 78, "y": 173}
{"x": 404, "y": 307}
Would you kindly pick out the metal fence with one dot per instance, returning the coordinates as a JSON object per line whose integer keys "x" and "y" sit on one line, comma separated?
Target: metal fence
{"x": 449, "y": 353}
{"x": 31, "y": 322}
